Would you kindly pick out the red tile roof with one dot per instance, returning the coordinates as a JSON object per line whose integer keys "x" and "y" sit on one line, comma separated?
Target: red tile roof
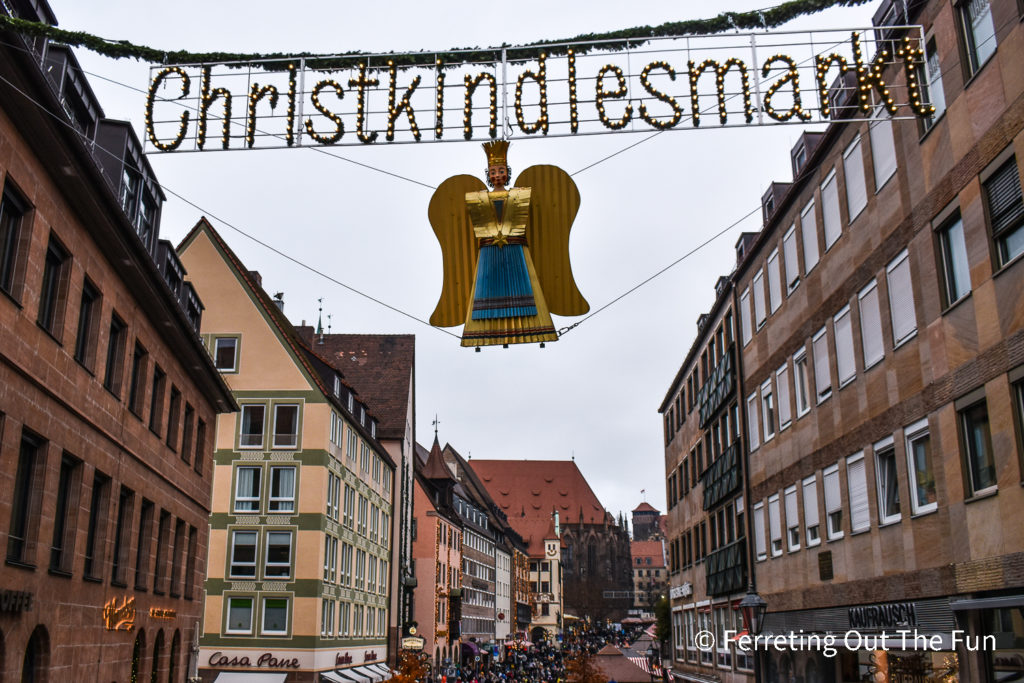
{"x": 648, "y": 549}
{"x": 380, "y": 366}
{"x": 645, "y": 507}
{"x": 618, "y": 667}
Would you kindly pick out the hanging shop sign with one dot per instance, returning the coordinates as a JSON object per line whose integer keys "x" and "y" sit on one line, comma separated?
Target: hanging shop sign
{"x": 413, "y": 643}
{"x": 656, "y": 84}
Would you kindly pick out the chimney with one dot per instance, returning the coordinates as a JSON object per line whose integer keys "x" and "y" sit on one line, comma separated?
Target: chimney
{"x": 279, "y": 301}
{"x": 255, "y": 275}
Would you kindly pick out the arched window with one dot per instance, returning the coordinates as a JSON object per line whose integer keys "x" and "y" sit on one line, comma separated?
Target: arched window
{"x": 35, "y": 666}
{"x": 172, "y": 664}
{"x": 137, "y": 654}
{"x": 158, "y": 656}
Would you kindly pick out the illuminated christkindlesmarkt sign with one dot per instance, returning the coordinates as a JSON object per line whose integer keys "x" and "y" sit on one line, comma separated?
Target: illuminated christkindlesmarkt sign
{"x": 667, "y": 83}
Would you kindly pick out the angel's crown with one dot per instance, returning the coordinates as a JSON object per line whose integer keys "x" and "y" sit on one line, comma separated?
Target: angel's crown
{"x": 497, "y": 152}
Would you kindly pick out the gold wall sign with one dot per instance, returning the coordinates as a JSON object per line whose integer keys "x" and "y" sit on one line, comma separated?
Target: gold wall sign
{"x": 119, "y": 617}
{"x": 163, "y": 613}
{"x": 668, "y": 83}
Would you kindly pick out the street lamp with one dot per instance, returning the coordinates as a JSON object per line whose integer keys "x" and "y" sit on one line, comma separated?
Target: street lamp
{"x": 653, "y": 658}
{"x": 753, "y": 607}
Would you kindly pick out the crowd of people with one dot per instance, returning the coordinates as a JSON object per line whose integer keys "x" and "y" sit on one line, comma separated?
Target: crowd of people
{"x": 543, "y": 661}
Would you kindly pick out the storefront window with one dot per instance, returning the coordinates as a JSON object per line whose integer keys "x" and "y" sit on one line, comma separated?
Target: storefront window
{"x": 1006, "y": 659}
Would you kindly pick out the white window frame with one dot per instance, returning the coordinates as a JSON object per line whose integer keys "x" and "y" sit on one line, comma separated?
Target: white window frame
{"x": 901, "y": 289}
{"x": 833, "y": 503}
{"x": 822, "y": 366}
{"x": 801, "y": 383}
{"x": 228, "y": 630}
{"x": 760, "y": 549}
{"x": 856, "y": 184}
{"x": 783, "y": 407}
{"x": 760, "y": 311}
{"x": 792, "y": 519}
{"x": 234, "y": 355}
{"x": 831, "y": 219}
{"x": 752, "y": 422}
{"x": 810, "y": 494}
{"x": 263, "y": 615}
{"x": 912, "y": 433}
{"x": 880, "y": 448}
{"x": 298, "y": 426}
{"x": 775, "y": 524}
{"x": 789, "y": 256}
{"x": 871, "y": 336}
{"x": 809, "y": 236}
{"x": 255, "y": 554}
{"x": 846, "y": 364}
{"x": 774, "y": 282}
{"x": 249, "y": 499}
{"x": 956, "y": 269}
{"x": 857, "y": 490}
{"x": 745, "y": 324}
{"x": 932, "y": 73}
{"x": 286, "y": 503}
{"x": 767, "y": 410}
{"x": 242, "y": 443}
{"x": 277, "y": 566}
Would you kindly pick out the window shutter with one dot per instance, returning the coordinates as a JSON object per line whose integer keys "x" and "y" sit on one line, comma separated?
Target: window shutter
{"x": 822, "y": 379}
{"x": 759, "y": 311}
{"x": 759, "y": 544}
{"x": 752, "y": 433}
{"x": 774, "y": 282}
{"x": 870, "y": 325}
{"x": 853, "y": 168}
{"x": 830, "y": 209}
{"x": 809, "y": 235}
{"x": 811, "y": 501}
{"x": 792, "y": 516}
{"x": 833, "y": 501}
{"x": 789, "y": 256}
{"x": 745, "y": 315}
{"x": 1004, "y": 198}
{"x": 860, "y": 517}
{"x": 774, "y": 518}
{"x": 844, "y": 346}
{"x": 901, "y": 299}
{"x": 883, "y": 148}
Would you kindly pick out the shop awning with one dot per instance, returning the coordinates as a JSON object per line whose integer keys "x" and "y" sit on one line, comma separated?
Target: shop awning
{"x": 987, "y": 603}
{"x": 384, "y": 670}
{"x": 351, "y": 675}
{"x": 245, "y": 677}
{"x": 332, "y": 677}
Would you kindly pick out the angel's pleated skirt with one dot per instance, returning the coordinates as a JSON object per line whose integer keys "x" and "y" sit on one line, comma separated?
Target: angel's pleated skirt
{"x": 508, "y": 304}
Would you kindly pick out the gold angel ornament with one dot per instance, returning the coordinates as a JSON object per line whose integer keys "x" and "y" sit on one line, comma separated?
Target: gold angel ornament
{"x": 506, "y": 252}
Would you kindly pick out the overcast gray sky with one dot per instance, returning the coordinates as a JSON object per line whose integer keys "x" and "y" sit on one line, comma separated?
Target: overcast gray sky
{"x": 593, "y": 394}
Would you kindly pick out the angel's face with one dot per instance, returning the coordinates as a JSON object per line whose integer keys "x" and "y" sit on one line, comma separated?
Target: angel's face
{"x": 497, "y": 175}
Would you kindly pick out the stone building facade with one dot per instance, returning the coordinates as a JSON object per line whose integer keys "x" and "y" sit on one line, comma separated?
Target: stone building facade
{"x": 108, "y": 399}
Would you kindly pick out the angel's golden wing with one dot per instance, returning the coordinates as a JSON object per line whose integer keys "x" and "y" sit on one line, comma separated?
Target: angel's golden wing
{"x": 450, "y": 221}
{"x": 553, "y": 206}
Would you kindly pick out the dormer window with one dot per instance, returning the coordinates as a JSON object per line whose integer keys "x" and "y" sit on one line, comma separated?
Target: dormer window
{"x": 337, "y": 386}
{"x": 799, "y": 159}
{"x": 351, "y": 402}
{"x": 373, "y": 428}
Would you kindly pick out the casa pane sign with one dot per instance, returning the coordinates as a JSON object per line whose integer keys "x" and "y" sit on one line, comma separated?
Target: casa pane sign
{"x": 673, "y": 83}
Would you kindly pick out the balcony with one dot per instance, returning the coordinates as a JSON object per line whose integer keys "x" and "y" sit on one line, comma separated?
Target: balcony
{"x": 722, "y": 478}
{"x": 726, "y": 569}
{"x": 717, "y": 389}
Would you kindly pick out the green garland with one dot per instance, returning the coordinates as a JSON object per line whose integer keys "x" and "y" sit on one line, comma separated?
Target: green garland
{"x": 581, "y": 44}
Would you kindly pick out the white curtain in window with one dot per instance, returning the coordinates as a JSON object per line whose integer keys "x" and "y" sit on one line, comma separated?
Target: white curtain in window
{"x": 811, "y": 501}
{"x": 745, "y": 316}
{"x": 853, "y": 168}
{"x": 752, "y": 433}
{"x": 792, "y": 516}
{"x": 774, "y": 282}
{"x": 774, "y": 521}
{"x": 833, "y": 501}
{"x": 759, "y": 310}
{"x": 782, "y": 382}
